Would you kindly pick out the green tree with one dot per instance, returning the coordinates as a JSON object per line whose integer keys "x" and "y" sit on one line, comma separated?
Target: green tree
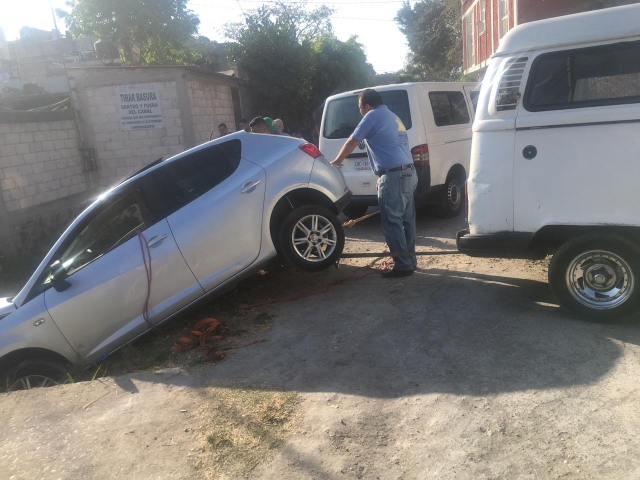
{"x": 160, "y": 30}
{"x": 434, "y": 33}
{"x": 293, "y": 61}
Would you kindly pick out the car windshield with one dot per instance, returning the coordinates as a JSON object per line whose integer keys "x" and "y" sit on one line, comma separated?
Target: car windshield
{"x": 342, "y": 115}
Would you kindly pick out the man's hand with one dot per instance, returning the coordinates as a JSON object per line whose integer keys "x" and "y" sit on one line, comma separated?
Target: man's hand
{"x": 349, "y": 146}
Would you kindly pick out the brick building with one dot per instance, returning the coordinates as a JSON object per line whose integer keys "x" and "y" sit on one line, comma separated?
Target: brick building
{"x": 485, "y": 22}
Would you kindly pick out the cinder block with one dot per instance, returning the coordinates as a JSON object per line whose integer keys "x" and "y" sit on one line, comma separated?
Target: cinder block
{"x": 30, "y": 190}
{"x": 39, "y": 136}
{"x": 12, "y": 138}
{"x": 7, "y": 150}
{"x": 31, "y": 127}
{"x": 17, "y": 128}
{"x": 16, "y": 160}
{"x": 36, "y": 147}
{"x": 44, "y": 126}
{"x": 46, "y": 176}
{"x": 43, "y": 156}
{"x": 16, "y": 193}
{"x": 59, "y": 144}
{"x": 126, "y": 153}
{"x": 7, "y": 184}
{"x": 51, "y": 135}
{"x": 26, "y": 202}
{"x": 13, "y": 206}
{"x": 5, "y": 128}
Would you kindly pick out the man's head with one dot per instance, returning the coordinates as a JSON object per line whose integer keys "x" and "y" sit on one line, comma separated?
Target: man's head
{"x": 222, "y": 128}
{"x": 244, "y": 125}
{"x": 271, "y": 126}
{"x": 258, "y": 125}
{"x": 280, "y": 124}
{"x": 368, "y": 100}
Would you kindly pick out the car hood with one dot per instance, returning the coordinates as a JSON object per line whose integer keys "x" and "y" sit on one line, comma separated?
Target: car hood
{"x": 6, "y": 307}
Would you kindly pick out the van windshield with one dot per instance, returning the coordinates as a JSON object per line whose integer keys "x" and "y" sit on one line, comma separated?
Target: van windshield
{"x": 342, "y": 115}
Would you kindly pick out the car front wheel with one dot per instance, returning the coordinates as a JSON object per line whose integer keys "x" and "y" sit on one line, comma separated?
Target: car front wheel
{"x": 312, "y": 238}
{"x": 35, "y": 373}
{"x": 596, "y": 277}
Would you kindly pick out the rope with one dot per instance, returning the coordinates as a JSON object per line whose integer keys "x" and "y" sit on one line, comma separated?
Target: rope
{"x": 146, "y": 259}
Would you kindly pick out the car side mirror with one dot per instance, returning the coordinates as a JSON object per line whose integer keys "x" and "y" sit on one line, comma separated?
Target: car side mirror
{"x": 59, "y": 278}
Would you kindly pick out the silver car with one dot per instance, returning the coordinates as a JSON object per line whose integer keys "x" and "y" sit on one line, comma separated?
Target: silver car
{"x": 175, "y": 232}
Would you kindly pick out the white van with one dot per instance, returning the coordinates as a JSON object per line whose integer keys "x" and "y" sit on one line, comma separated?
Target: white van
{"x": 555, "y": 161}
{"x": 438, "y": 118}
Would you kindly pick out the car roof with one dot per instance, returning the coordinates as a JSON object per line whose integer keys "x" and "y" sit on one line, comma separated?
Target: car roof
{"x": 588, "y": 27}
{"x": 403, "y": 86}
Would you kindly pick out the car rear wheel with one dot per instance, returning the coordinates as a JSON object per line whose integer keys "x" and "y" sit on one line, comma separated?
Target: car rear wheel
{"x": 597, "y": 277}
{"x": 35, "y": 373}
{"x": 312, "y": 238}
{"x": 452, "y": 200}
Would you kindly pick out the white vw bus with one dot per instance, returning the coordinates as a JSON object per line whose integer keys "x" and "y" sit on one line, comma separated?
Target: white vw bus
{"x": 555, "y": 160}
{"x": 438, "y": 118}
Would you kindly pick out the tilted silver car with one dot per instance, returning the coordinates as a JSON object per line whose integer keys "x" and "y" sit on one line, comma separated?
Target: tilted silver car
{"x": 175, "y": 232}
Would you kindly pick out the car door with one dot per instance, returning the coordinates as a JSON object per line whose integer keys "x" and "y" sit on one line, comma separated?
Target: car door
{"x": 576, "y": 138}
{"x": 215, "y": 203}
{"x": 106, "y": 277}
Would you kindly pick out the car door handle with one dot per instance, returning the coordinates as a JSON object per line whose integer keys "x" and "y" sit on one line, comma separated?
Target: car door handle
{"x": 250, "y": 186}
{"x": 153, "y": 241}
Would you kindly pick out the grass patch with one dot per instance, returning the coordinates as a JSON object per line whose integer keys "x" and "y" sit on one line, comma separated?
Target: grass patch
{"x": 246, "y": 429}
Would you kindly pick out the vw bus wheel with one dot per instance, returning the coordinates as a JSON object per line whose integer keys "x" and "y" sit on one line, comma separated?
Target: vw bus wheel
{"x": 597, "y": 277}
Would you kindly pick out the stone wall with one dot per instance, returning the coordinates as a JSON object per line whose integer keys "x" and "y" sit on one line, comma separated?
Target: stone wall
{"x": 39, "y": 162}
{"x": 211, "y": 105}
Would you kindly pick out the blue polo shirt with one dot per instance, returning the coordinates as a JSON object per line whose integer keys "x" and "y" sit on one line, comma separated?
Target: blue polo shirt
{"x": 385, "y": 137}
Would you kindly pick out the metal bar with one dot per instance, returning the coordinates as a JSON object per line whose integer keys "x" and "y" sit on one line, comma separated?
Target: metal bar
{"x": 398, "y": 254}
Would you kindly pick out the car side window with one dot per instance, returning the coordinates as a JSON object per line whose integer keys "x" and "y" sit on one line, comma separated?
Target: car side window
{"x": 586, "y": 77}
{"x": 449, "y": 108}
{"x": 111, "y": 227}
{"x": 474, "y": 95}
{"x": 187, "y": 178}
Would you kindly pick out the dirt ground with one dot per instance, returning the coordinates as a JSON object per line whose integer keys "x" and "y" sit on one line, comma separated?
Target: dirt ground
{"x": 466, "y": 370}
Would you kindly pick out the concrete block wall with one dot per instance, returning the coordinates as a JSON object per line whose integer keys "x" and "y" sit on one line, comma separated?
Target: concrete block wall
{"x": 39, "y": 163}
{"x": 120, "y": 153}
{"x": 211, "y": 104}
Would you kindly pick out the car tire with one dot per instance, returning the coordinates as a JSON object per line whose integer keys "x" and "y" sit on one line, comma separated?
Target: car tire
{"x": 355, "y": 211}
{"x": 452, "y": 200}
{"x": 312, "y": 238}
{"x": 597, "y": 277}
{"x": 35, "y": 373}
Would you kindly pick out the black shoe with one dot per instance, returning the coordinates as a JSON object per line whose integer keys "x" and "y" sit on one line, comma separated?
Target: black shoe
{"x": 397, "y": 273}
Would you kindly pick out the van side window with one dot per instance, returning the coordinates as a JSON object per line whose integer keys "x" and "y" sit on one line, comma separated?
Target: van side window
{"x": 449, "y": 108}
{"x": 587, "y": 77}
{"x": 187, "y": 178}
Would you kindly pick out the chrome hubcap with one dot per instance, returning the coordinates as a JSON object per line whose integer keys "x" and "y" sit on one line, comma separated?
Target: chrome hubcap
{"x": 453, "y": 194}
{"x": 314, "y": 238}
{"x": 32, "y": 381}
{"x": 600, "y": 280}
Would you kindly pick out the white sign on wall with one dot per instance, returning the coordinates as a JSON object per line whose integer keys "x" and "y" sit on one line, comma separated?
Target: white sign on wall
{"x": 139, "y": 107}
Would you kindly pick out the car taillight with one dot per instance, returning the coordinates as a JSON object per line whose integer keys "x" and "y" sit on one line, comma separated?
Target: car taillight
{"x": 310, "y": 149}
{"x": 420, "y": 155}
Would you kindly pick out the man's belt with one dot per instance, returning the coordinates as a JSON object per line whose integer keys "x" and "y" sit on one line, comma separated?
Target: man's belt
{"x": 395, "y": 169}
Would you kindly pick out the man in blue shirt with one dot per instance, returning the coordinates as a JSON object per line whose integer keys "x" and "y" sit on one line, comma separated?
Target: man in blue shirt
{"x": 388, "y": 147}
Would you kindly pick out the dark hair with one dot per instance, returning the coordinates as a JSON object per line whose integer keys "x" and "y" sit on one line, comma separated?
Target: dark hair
{"x": 370, "y": 97}
{"x": 243, "y": 120}
{"x": 256, "y": 121}
{"x": 222, "y": 125}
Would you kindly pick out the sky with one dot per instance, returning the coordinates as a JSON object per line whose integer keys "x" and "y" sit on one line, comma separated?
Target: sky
{"x": 372, "y": 21}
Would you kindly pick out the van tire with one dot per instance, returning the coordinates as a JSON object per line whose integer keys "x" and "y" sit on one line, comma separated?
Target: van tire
{"x": 452, "y": 200}
{"x": 586, "y": 264}
{"x": 292, "y": 228}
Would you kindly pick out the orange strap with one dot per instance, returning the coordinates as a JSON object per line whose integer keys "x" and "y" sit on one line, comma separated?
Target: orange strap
{"x": 204, "y": 330}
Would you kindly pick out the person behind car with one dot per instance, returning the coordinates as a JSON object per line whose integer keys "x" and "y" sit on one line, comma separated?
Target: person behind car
{"x": 280, "y": 124}
{"x": 258, "y": 125}
{"x": 244, "y": 125}
{"x": 222, "y": 128}
{"x": 388, "y": 148}
{"x": 273, "y": 128}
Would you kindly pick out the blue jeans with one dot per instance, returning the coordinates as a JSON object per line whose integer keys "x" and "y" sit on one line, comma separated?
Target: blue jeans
{"x": 398, "y": 214}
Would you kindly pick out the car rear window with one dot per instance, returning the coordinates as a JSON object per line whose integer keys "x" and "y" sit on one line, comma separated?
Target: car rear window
{"x": 187, "y": 178}
{"x": 449, "y": 108}
{"x": 342, "y": 115}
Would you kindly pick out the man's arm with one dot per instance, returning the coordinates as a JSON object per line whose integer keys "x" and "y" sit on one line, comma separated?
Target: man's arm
{"x": 349, "y": 146}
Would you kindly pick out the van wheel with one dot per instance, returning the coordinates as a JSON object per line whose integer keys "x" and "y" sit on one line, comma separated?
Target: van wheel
{"x": 355, "y": 211}
{"x": 312, "y": 238}
{"x": 35, "y": 373}
{"x": 596, "y": 277}
{"x": 452, "y": 197}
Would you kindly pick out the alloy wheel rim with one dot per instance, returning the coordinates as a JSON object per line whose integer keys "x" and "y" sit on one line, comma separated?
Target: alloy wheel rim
{"x": 453, "y": 194}
{"x": 32, "y": 381}
{"x": 314, "y": 238}
{"x": 600, "y": 279}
